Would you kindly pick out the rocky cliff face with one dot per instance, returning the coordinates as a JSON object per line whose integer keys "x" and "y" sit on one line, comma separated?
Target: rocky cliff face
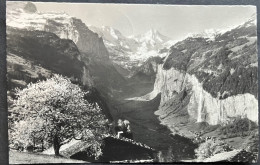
{"x": 98, "y": 70}
{"x": 147, "y": 71}
{"x": 63, "y": 25}
{"x": 44, "y": 50}
{"x": 205, "y": 108}
{"x": 211, "y": 81}
{"x": 202, "y": 106}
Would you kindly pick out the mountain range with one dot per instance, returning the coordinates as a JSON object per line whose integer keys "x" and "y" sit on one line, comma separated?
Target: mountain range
{"x": 131, "y": 52}
{"x": 212, "y": 81}
{"x": 199, "y": 84}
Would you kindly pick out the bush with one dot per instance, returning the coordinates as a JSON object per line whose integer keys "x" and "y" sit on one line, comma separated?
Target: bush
{"x": 211, "y": 147}
{"x": 169, "y": 156}
{"x": 239, "y": 127}
{"x": 251, "y": 143}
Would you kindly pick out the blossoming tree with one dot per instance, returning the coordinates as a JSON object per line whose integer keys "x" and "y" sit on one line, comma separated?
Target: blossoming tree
{"x": 55, "y": 111}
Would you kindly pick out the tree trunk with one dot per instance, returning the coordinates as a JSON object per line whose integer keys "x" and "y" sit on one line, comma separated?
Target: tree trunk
{"x": 42, "y": 145}
{"x": 33, "y": 143}
{"x": 56, "y": 145}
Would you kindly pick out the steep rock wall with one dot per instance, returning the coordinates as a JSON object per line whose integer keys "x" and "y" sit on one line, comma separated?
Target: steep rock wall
{"x": 61, "y": 24}
{"x": 85, "y": 39}
{"x": 202, "y": 106}
{"x": 214, "y": 111}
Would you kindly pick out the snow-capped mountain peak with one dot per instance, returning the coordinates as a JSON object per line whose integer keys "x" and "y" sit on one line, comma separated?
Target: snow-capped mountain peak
{"x": 152, "y": 36}
{"x": 132, "y": 51}
{"x": 152, "y": 33}
{"x": 112, "y": 32}
{"x": 108, "y": 33}
{"x": 210, "y": 34}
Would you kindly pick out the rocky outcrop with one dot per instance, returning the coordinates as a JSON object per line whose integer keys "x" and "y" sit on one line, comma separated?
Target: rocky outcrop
{"x": 61, "y": 56}
{"x": 86, "y": 40}
{"x": 147, "y": 71}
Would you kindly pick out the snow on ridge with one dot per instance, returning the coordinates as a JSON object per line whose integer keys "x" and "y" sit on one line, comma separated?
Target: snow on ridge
{"x": 111, "y": 31}
{"x": 135, "y": 49}
{"x": 170, "y": 43}
{"x": 113, "y": 34}
{"x": 152, "y": 36}
{"x": 20, "y": 19}
{"x": 210, "y": 34}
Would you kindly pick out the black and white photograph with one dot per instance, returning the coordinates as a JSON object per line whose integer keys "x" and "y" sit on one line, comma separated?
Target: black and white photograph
{"x": 131, "y": 83}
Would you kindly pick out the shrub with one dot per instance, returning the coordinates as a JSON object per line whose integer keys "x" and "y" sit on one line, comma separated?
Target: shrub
{"x": 239, "y": 127}
{"x": 169, "y": 156}
{"x": 211, "y": 147}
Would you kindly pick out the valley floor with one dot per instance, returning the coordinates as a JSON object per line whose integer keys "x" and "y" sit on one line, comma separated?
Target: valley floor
{"x": 147, "y": 129}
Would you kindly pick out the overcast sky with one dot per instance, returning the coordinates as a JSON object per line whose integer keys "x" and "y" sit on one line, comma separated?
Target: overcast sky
{"x": 174, "y": 21}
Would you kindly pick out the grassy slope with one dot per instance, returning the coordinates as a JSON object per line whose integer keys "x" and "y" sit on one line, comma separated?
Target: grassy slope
{"x": 16, "y": 157}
